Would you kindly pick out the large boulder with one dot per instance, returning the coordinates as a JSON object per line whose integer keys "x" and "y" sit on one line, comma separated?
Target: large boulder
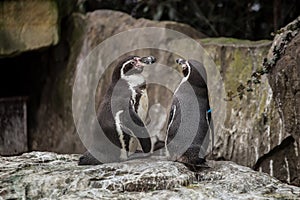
{"x": 251, "y": 123}
{"x": 284, "y": 79}
{"x": 262, "y": 129}
{"x": 28, "y": 25}
{"x": 42, "y": 175}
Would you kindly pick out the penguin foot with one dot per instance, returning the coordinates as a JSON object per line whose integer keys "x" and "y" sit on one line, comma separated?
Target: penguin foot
{"x": 88, "y": 159}
{"x": 159, "y": 145}
{"x": 196, "y": 168}
{"x": 139, "y": 156}
{"x": 195, "y": 164}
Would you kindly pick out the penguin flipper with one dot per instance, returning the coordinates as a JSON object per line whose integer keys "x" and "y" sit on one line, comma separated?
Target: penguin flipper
{"x": 175, "y": 109}
{"x": 174, "y": 120}
{"x": 172, "y": 114}
{"x": 88, "y": 159}
{"x": 210, "y": 124}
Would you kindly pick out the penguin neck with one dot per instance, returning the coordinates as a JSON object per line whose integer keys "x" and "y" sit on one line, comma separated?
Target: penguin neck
{"x": 195, "y": 82}
{"x": 136, "y": 85}
{"x": 134, "y": 80}
{"x": 195, "y": 78}
{"x": 183, "y": 80}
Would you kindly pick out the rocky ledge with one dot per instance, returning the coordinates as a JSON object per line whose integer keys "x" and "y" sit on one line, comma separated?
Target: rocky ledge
{"x": 44, "y": 175}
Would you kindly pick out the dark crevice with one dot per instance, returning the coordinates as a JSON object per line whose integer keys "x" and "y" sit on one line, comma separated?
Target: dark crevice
{"x": 285, "y": 143}
{"x": 27, "y": 75}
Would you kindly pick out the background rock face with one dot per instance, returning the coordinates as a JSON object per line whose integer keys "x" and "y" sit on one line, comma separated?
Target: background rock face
{"x": 245, "y": 135}
{"x": 40, "y": 175}
{"x": 27, "y": 25}
{"x": 262, "y": 129}
{"x": 285, "y": 83}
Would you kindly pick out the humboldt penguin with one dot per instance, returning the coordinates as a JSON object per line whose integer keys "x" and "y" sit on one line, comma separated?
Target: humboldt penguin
{"x": 194, "y": 74}
{"x": 123, "y": 109}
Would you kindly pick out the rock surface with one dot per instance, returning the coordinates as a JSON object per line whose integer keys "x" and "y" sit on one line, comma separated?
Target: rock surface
{"x": 42, "y": 175}
{"x": 27, "y": 25}
{"x": 264, "y": 125}
{"x": 262, "y": 129}
{"x": 245, "y": 134}
{"x": 284, "y": 80}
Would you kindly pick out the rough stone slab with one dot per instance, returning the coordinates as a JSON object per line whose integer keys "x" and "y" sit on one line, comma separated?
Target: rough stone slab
{"x": 252, "y": 124}
{"x": 284, "y": 80}
{"x": 42, "y": 175}
{"x": 13, "y": 126}
{"x": 27, "y": 25}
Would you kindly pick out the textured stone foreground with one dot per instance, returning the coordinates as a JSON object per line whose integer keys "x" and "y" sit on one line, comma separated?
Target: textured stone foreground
{"x": 43, "y": 175}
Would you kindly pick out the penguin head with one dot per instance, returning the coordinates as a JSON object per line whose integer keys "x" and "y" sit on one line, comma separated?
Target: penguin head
{"x": 130, "y": 66}
{"x": 193, "y": 72}
{"x": 185, "y": 68}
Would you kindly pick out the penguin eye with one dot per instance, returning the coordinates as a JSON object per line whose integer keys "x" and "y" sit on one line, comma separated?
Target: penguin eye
{"x": 133, "y": 62}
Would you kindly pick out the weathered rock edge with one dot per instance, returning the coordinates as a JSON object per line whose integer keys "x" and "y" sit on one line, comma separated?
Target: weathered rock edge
{"x": 39, "y": 175}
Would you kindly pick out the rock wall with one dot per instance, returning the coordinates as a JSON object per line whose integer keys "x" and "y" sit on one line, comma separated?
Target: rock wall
{"x": 248, "y": 131}
{"x": 254, "y": 132}
{"x": 284, "y": 80}
{"x": 28, "y": 25}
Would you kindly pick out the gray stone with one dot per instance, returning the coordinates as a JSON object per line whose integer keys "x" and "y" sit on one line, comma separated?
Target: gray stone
{"x": 27, "y": 25}
{"x": 251, "y": 126}
{"x": 284, "y": 80}
{"x": 42, "y": 175}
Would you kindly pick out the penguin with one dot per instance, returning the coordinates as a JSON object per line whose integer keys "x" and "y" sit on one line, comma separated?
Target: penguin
{"x": 194, "y": 74}
{"x": 123, "y": 110}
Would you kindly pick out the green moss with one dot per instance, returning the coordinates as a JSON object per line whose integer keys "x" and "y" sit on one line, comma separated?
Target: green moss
{"x": 233, "y": 41}
{"x": 55, "y": 10}
{"x": 262, "y": 104}
{"x": 239, "y": 68}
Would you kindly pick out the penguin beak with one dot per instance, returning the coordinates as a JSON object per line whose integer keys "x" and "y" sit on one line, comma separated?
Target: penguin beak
{"x": 148, "y": 60}
{"x": 180, "y": 61}
{"x": 144, "y": 61}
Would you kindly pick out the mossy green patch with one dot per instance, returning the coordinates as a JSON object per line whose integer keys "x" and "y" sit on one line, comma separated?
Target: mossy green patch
{"x": 234, "y": 41}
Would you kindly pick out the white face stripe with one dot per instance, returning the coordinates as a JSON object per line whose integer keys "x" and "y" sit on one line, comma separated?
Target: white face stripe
{"x": 186, "y": 77}
{"x": 122, "y": 69}
{"x": 133, "y": 80}
{"x": 189, "y": 72}
{"x": 127, "y": 62}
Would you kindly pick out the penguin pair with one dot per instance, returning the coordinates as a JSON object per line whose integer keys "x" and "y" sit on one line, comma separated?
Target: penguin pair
{"x": 128, "y": 131}
{"x": 123, "y": 111}
{"x": 195, "y": 78}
